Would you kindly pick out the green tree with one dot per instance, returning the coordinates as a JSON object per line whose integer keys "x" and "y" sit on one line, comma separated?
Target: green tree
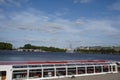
{"x": 5, "y": 46}
{"x": 48, "y": 49}
{"x": 28, "y": 46}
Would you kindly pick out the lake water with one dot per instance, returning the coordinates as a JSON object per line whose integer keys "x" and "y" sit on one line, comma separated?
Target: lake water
{"x": 53, "y": 56}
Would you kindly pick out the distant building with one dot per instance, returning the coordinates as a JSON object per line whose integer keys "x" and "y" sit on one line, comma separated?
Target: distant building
{"x": 31, "y": 50}
{"x": 116, "y": 48}
{"x": 99, "y": 48}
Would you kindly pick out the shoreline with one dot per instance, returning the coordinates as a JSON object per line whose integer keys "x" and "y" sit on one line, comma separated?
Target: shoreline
{"x": 66, "y": 52}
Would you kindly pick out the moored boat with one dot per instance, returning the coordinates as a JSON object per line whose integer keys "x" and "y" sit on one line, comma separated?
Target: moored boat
{"x": 37, "y": 70}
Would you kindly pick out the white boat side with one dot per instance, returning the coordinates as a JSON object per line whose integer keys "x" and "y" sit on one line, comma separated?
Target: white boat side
{"x": 58, "y": 69}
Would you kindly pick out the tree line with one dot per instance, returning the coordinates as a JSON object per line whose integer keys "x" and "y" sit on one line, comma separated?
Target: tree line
{"x": 43, "y": 48}
{"x": 5, "y": 46}
{"x": 9, "y": 46}
{"x": 101, "y": 51}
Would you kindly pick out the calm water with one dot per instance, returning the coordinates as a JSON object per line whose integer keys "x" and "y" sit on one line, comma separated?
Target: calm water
{"x": 37, "y": 56}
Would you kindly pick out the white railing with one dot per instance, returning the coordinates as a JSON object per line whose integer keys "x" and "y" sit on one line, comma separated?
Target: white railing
{"x": 110, "y": 68}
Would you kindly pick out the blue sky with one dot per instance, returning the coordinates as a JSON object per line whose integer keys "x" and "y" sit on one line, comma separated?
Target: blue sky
{"x": 59, "y": 23}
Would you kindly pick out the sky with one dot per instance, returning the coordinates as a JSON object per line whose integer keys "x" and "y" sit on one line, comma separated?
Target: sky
{"x": 60, "y": 23}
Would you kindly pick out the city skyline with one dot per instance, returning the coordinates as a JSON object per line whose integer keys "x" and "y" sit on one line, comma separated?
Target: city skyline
{"x": 59, "y": 23}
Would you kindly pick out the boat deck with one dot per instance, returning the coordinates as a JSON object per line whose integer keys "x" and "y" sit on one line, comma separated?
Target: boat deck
{"x": 115, "y": 76}
{"x": 56, "y": 70}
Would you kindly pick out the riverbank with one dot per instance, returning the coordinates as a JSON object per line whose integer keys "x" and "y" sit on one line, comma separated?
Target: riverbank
{"x": 111, "y": 76}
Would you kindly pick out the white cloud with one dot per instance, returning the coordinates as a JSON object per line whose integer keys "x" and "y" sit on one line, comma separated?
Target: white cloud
{"x": 62, "y": 12}
{"x": 36, "y": 26}
{"x": 99, "y": 31}
{"x": 38, "y": 21}
{"x": 12, "y": 2}
{"x": 1, "y": 10}
{"x": 82, "y": 1}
